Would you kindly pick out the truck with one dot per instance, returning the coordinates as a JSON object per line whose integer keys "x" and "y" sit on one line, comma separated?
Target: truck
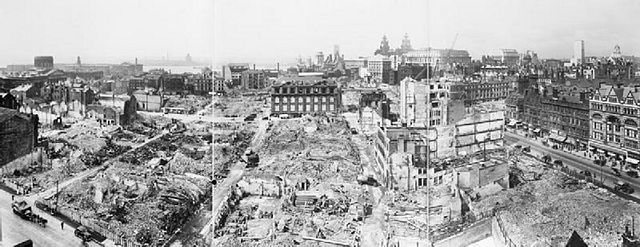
{"x": 251, "y": 158}
{"x": 623, "y": 187}
{"x": 22, "y": 209}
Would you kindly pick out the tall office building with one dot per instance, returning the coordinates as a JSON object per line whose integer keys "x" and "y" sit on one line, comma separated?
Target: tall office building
{"x": 578, "y": 51}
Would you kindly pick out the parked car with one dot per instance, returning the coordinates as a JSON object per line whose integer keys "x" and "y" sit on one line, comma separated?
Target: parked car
{"x": 586, "y": 173}
{"x": 623, "y": 187}
{"x": 557, "y": 162}
{"x": 615, "y": 172}
{"x": 633, "y": 174}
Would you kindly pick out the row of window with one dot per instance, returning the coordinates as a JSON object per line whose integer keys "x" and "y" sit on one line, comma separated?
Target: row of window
{"x": 615, "y": 139}
{"x": 303, "y": 108}
{"x": 305, "y": 90}
{"x": 301, "y": 99}
{"x": 615, "y": 109}
{"x": 627, "y": 133}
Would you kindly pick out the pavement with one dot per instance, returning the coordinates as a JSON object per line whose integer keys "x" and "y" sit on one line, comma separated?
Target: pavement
{"x": 575, "y": 160}
{"x": 16, "y": 230}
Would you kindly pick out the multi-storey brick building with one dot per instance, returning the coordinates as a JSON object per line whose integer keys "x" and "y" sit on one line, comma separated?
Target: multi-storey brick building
{"x": 380, "y": 68}
{"x": 298, "y": 97}
{"x": 253, "y": 79}
{"x": 419, "y": 98}
{"x": 475, "y": 92}
{"x": 615, "y": 114}
{"x": 567, "y": 113}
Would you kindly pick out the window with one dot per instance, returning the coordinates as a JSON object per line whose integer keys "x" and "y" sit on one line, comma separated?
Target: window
{"x": 422, "y": 182}
{"x": 631, "y": 133}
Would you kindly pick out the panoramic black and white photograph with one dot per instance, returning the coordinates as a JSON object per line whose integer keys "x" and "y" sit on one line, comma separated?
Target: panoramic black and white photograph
{"x": 105, "y": 123}
{"x": 426, "y": 123}
{"x": 320, "y": 123}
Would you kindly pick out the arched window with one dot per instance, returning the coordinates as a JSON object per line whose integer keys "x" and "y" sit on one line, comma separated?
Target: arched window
{"x": 613, "y": 119}
{"x": 630, "y": 123}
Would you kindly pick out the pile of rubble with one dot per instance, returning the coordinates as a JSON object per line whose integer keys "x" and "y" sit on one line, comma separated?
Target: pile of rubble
{"x": 549, "y": 209}
{"x": 317, "y": 147}
{"x": 241, "y": 106}
{"x": 65, "y": 153}
{"x": 191, "y": 102}
{"x": 304, "y": 190}
{"x": 149, "y": 194}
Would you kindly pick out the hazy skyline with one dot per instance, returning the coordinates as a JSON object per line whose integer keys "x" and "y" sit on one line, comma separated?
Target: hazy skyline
{"x": 105, "y": 30}
{"x": 280, "y": 30}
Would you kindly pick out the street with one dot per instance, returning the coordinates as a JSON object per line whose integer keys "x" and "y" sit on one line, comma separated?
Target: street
{"x": 16, "y": 229}
{"x": 235, "y": 174}
{"x": 578, "y": 163}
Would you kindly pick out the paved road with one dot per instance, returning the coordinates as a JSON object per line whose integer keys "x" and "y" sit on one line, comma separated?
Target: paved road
{"x": 16, "y": 230}
{"x": 574, "y": 161}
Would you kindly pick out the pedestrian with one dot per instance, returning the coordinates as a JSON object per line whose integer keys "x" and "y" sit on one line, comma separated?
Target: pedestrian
{"x": 61, "y": 225}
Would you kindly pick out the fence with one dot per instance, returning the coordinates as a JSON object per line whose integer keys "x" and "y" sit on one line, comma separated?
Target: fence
{"x": 499, "y": 233}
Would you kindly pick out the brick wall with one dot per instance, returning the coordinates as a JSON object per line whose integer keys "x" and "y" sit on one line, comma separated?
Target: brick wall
{"x": 16, "y": 138}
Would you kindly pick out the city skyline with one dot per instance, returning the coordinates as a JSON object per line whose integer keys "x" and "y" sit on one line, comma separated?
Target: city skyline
{"x": 542, "y": 26}
{"x": 105, "y": 31}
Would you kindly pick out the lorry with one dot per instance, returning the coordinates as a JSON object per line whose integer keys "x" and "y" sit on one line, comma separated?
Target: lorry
{"x": 22, "y": 209}
{"x": 251, "y": 158}
{"x": 623, "y": 187}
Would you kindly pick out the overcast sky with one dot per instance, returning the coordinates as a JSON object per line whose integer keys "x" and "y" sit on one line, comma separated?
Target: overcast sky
{"x": 280, "y": 30}
{"x": 104, "y": 30}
